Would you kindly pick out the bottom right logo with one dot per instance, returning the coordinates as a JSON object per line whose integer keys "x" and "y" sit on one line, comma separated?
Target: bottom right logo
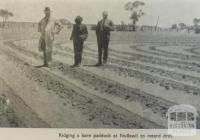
{"x": 182, "y": 120}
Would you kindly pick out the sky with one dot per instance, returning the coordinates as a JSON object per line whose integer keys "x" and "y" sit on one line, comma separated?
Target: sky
{"x": 169, "y": 11}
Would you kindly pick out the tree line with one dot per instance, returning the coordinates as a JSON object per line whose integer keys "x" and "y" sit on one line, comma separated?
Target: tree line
{"x": 182, "y": 26}
{"x": 133, "y": 7}
{"x": 136, "y": 12}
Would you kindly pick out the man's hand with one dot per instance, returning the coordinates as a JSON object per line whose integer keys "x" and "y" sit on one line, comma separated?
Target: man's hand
{"x": 109, "y": 27}
{"x": 57, "y": 27}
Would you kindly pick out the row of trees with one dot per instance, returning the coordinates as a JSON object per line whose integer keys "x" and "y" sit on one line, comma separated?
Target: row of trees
{"x": 182, "y": 26}
{"x": 136, "y": 13}
{"x": 133, "y": 7}
{"x": 5, "y": 14}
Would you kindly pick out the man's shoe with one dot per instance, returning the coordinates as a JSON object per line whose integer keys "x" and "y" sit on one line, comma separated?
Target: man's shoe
{"x": 79, "y": 65}
{"x": 72, "y": 66}
{"x": 46, "y": 65}
{"x": 75, "y": 65}
{"x": 98, "y": 64}
{"x": 104, "y": 62}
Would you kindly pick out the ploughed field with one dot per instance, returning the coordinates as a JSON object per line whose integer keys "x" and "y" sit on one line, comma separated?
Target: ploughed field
{"x": 146, "y": 74}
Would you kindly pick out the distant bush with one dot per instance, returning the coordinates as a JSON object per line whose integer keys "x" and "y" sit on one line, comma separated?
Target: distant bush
{"x": 197, "y": 30}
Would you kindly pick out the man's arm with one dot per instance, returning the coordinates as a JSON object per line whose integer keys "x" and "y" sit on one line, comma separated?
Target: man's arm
{"x": 97, "y": 28}
{"x": 39, "y": 27}
{"x": 72, "y": 34}
{"x": 86, "y": 32}
{"x": 109, "y": 26}
{"x": 112, "y": 28}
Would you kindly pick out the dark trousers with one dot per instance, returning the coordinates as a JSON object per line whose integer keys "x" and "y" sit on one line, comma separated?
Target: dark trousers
{"x": 103, "y": 43}
{"x": 78, "y": 48}
{"x": 44, "y": 52}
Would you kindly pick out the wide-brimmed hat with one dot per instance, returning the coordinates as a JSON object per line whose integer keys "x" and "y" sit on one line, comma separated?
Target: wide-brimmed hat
{"x": 78, "y": 19}
{"x": 47, "y": 9}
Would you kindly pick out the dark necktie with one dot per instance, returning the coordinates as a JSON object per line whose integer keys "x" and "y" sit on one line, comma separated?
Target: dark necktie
{"x": 102, "y": 24}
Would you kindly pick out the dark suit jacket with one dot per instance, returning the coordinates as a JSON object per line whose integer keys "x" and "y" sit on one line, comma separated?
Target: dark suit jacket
{"x": 105, "y": 31}
{"x": 79, "y": 32}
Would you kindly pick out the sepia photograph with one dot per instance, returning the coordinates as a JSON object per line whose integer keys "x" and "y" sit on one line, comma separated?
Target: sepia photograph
{"x": 100, "y": 64}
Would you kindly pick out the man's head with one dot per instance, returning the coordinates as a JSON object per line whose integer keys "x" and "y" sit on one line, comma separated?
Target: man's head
{"x": 105, "y": 14}
{"x": 78, "y": 20}
{"x": 47, "y": 11}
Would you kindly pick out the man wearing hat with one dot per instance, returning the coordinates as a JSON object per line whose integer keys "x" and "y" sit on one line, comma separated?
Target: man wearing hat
{"x": 48, "y": 27}
{"x": 103, "y": 29}
{"x": 79, "y": 35}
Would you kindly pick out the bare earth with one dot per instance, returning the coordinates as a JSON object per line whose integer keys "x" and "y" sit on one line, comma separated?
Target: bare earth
{"x": 145, "y": 76}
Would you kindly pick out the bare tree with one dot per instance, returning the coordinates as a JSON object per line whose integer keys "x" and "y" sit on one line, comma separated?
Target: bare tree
{"x": 136, "y": 13}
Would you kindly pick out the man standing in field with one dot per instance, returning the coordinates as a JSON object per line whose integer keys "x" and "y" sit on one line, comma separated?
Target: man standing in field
{"x": 103, "y": 29}
{"x": 48, "y": 28}
{"x": 79, "y": 35}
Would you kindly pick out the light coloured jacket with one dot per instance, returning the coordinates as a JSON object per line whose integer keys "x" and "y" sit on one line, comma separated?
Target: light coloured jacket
{"x": 48, "y": 32}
